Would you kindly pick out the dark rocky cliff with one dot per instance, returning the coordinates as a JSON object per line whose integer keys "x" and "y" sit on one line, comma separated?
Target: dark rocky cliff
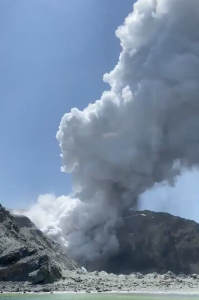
{"x": 149, "y": 242}
{"x": 26, "y": 254}
{"x": 156, "y": 242}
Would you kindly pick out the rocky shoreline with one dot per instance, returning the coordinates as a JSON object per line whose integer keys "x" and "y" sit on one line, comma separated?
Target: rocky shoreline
{"x": 32, "y": 263}
{"x": 101, "y": 282}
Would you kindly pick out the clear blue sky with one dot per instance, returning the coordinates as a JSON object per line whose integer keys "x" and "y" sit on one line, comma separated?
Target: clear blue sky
{"x": 53, "y": 54}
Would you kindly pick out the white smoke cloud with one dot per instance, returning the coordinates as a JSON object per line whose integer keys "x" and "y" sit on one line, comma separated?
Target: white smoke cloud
{"x": 140, "y": 133}
{"x": 49, "y": 208}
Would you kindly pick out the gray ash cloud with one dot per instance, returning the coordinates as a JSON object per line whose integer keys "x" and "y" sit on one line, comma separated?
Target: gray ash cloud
{"x": 141, "y": 132}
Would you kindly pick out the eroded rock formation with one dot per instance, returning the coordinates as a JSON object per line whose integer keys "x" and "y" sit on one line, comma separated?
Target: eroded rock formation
{"x": 26, "y": 254}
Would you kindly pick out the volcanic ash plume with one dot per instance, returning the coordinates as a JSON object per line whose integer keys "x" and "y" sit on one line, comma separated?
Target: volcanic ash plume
{"x": 141, "y": 132}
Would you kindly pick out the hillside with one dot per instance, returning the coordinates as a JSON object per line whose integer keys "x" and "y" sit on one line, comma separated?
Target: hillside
{"x": 26, "y": 254}
{"x": 156, "y": 242}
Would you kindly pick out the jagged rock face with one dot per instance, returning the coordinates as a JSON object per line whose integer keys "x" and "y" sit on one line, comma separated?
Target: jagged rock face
{"x": 149, "y": 242}
{"x": 26, "y": 254}
{"x": 155, "y": 242}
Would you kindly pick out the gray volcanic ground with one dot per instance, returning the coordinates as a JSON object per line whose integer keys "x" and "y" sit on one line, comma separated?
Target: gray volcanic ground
{"x": 141, "y": 132}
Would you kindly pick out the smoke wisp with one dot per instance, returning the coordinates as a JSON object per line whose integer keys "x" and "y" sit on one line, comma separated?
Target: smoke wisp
{"x": 141, "y": 132}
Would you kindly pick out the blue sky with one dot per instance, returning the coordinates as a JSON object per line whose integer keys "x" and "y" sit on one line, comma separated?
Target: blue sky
{"x": 53, "y": 54}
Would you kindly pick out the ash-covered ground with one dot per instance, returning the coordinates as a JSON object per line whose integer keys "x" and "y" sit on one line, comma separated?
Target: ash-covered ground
{"x": 102, "y": 282}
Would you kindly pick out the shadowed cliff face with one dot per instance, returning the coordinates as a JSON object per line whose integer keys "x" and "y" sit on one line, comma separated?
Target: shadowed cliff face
{"x": 154, "y": 242}
{"x": 148, "y": 242}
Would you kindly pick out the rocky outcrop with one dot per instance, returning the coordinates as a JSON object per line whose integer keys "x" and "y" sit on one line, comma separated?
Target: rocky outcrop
{"x": 155, "y": 242}
{"x": 149, "y": 242}
{"x": 26, "y": 254}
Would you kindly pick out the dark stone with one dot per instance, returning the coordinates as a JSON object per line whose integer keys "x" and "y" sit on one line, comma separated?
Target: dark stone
{"x": 46, "y": 290}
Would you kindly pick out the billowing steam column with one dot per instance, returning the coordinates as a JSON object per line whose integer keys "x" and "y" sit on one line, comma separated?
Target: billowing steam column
{"x": 139, "y": 133}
